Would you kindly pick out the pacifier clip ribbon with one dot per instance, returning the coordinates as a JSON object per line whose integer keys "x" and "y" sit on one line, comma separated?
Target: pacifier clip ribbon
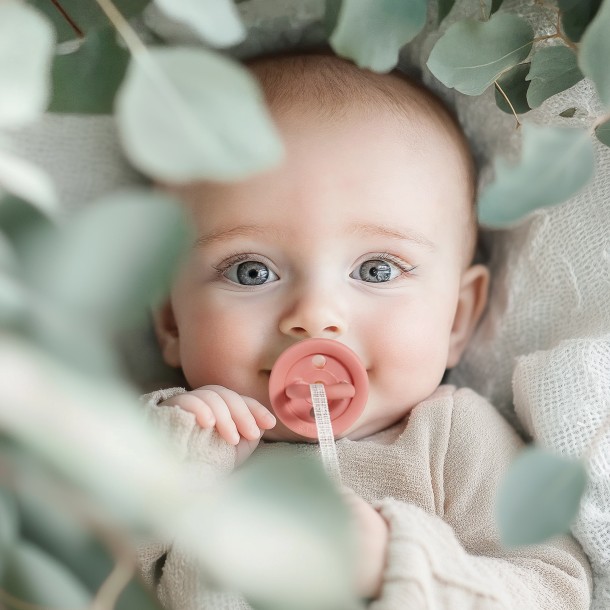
{"x": 318, "y": 388}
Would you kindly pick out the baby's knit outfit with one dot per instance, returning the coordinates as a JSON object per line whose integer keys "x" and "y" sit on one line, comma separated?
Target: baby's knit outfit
{"x": 434, "y": 477}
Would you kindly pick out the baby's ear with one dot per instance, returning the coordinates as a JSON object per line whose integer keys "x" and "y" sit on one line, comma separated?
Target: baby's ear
{"x": 471, "y": 304}
{"x": 167, "y": 333}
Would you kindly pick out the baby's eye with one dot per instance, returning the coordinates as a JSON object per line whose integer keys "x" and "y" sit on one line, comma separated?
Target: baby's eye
{"x": 376, "y": 271}
{"x": 250, "y": 273}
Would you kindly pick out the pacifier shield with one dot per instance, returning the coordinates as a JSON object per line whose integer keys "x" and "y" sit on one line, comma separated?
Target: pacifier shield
{"x": 318, "y": 361}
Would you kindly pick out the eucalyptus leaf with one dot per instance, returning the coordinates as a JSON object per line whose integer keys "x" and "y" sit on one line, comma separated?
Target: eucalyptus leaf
{"x": 576, "y": 16}
{"x": 179, "y": 128}
{"x": 372, "y": 33}
{"x": 27, "y": 181}
{"x": 602, "y": 132}
{"x": 514, "y": 84}
{"x": 444, "y": 8}
{"x": 306, "y": 563}
{"x": 539, "y": 497}
{"x": 26, "y": 48}
{"x": 218, "y": 22}
{"x": 13, "y": 300}
{"x": 58, "y": 532}
{"x": 331, "y": 16}
{"x": 84, "y": 16}
{"x": 86, "y": 80}
{"x": 594, "y": 52}
{"x": 555, "y": 164}
{"x": 112, "y": 258}
{"x": 554, "y": 69}
{"x": 471, "y": 54}
{"x": 35, "y": 577}
{"x": 90, "y": 437}
{"x": 9, "y": 521}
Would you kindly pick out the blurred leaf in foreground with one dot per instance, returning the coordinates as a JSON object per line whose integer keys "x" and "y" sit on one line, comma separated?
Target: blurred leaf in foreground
{"x": 555, "y": 164}
{"x": 86, "y": 80}
{"x": 281, "y": 535}
{"x": 90, "y": 437}
{"x": 472, "y": 54}
{"x": 539, "y": 497}
{"x": 35, "y": 577}
{"x": 178, "y": 127}
{"x": 372, "y": 33}
{"x": 218, "y": 23}
{"x": 26, "y": 47}
{"x": 594, "y": 52}
{"x": 554, "y": 69}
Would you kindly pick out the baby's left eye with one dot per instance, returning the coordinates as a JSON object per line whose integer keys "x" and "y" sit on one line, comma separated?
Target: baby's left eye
{"x": 376, "y": 271}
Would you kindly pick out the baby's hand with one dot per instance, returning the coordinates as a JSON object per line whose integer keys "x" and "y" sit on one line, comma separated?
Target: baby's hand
{"x": 238, "y": 419}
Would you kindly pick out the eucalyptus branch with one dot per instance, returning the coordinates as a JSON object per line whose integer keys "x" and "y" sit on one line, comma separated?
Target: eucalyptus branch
{"x": 509, "y": 103}
{"x": 114, "y": 585}
{"x": 69, "y": 19}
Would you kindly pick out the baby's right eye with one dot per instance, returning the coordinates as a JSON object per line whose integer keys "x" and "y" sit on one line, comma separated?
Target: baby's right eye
{"x": 250, "y": 273}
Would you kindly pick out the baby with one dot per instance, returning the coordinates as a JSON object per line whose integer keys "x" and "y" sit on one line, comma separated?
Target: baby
{"x": 365, "y": 235}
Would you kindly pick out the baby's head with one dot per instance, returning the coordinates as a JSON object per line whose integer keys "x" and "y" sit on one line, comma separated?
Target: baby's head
{"x": 364, "y": 234}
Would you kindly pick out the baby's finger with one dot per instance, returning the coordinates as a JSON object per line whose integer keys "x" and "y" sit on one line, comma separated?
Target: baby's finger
{"x": 224, "y": 419}
{"x": 242, "y": 417}
{"x": 193, "y": 404}
{"x": 265, "y": 420}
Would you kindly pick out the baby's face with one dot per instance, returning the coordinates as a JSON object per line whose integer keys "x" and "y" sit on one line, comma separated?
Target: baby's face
{"x": 358, "y": 236}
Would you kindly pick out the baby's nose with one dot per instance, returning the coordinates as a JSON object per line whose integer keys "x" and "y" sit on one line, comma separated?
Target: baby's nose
{"x": 314, "y": 316}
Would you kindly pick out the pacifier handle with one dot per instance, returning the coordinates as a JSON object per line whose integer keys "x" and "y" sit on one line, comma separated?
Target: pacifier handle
{"x": 324, "y": 361}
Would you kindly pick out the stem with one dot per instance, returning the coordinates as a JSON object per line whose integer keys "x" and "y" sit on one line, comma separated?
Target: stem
{"x": 508, "y": 102}
{"x": 69, "y": 19}
{"x": 133, "y": 42}
{"x": 114, "y": 585}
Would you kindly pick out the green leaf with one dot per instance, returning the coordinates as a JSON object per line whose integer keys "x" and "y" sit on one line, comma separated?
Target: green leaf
{"x": 177, "y": 128}
{"x": 514, "y": 84}
{"x": 89, "y": 438}
{"x": 63, "y": 536}
{"x": 86, "y": 80}
{"x": 539, "y": 497}
{"x": 218, "y": 23}
{"x": 576, "y": 16}
{"x": 26, "y": 49}
{"x": 372, "y": 33}
{"x": 85, "y": 16}
{"x": 444, "y": 8}
{"x": 292, "y": 497}
{"x": 112, "y": 258}
{"x": 554, "y": 69}
{"x": 29, "y": 182}
{"x": 594, "y": 52}
{"x": 34, "y": 577}
{"x": 471, "y": 54}
{"x": 332, "y": 9}
{"x": 9, "y": 521}
{"x": 602, "y": 132}
{"x": 555, "y": 164}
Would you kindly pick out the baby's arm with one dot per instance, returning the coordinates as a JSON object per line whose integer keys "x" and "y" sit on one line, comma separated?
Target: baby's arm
{"x": 454, "y": 559}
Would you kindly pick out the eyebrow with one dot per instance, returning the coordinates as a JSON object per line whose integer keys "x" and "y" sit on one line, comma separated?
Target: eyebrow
{"x": 238, "y": 231}
{"x": 366, "y": 229}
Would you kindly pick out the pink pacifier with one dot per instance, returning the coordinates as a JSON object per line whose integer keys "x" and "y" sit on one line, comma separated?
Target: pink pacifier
{"x": 318, "y": 361}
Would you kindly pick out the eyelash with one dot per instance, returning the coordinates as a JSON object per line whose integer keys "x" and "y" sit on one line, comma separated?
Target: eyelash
{"x": 240, "y": 257}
